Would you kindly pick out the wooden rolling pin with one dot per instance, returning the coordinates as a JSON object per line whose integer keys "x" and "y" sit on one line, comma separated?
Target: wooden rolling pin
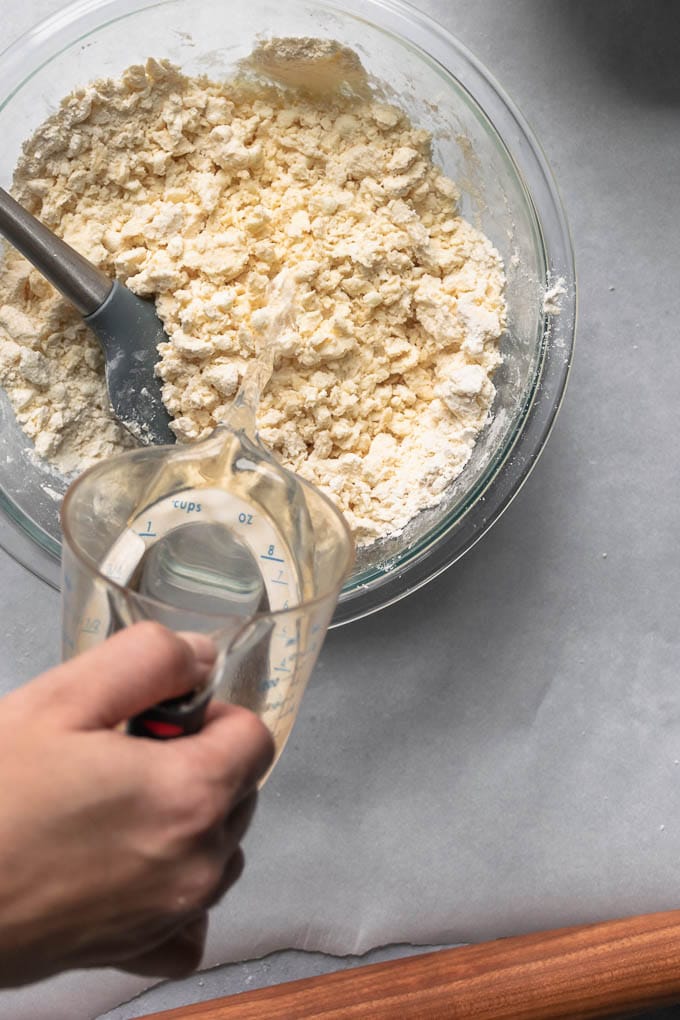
{"x": 609, "y": 969}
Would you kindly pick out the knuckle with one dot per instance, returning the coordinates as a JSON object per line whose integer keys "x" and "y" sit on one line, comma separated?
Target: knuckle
{"x": 168, "y": 645}
{"x": 199, "y": 884}
{"x": 206, "y": 809}
{"x": 154, "y": 631}
{"x": 256, "y": 734}
{"x": 193, "y": 809}
{"x": 150, "y": 629}
{"x": 195, "y": 803}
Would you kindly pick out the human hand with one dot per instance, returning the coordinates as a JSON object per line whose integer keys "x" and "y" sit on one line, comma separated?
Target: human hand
{"x": 113, "y": 847}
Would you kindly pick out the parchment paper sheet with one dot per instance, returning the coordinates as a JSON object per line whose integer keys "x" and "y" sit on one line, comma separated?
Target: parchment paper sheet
{"x": 501, "y": 751}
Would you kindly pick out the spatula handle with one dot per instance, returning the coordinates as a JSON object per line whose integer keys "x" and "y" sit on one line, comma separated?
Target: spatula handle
{"x": 72, "y": 274}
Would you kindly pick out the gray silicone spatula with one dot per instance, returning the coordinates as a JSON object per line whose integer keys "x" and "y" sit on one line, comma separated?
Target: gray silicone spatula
{"x": 126, "y": 326}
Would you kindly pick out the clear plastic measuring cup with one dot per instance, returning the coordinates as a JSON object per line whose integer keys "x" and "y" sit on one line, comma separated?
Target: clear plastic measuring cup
{"x": 255, "y": 561}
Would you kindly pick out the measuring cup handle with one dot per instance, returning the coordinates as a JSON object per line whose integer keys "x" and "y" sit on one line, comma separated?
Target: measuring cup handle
{"x": 177, "y": 717}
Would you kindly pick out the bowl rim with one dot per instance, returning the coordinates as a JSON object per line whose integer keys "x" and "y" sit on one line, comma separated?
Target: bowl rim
{"x": 498, "y": 485}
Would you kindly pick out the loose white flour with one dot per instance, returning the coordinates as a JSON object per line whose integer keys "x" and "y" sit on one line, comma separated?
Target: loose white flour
{"x": 552, "y": 299}
{"x": 197, "y": 193}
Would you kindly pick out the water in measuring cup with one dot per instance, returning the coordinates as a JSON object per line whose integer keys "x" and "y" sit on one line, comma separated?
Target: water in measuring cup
{"x": 229, "y": 536}
{"x": 204, "y": 568}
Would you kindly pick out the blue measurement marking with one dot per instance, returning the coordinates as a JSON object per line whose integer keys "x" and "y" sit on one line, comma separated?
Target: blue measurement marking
{"x": 275, "y": 580}
{"x": 281, "y": 669}
{"x": 91, "y": 626}
{"x": 274, "y": 559}
{"x": 148, "y": 533}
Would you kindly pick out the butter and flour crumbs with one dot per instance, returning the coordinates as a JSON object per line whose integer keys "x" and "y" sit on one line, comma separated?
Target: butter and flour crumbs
{"x": 198, "y": 192}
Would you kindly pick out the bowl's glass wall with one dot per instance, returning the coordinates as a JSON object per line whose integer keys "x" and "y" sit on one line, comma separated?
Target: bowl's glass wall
{"x": 93, "y": 39}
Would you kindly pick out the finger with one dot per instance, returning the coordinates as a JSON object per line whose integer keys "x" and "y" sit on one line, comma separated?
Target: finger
{"x": 130, "y": 672}
{"x": 238, "y": 822}
{"x": 234, "y": 749}
{"x": 223, "y": 839}
{"x": 233, "y": 870}
{"x": 176, "y": 957}
{"x": 181, "y": 953}
{"x": 203, "y": 647}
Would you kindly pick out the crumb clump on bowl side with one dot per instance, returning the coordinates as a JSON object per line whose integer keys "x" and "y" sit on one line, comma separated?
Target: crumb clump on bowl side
{"x": 197, "y": 193}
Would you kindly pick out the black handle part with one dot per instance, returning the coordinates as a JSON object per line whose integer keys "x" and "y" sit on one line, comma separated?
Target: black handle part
{"x": 176, "y": 717}
{"x": 129, "y": 332}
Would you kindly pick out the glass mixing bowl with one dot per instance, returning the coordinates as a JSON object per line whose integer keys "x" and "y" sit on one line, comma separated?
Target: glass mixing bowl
{"x": 479, "y": 139}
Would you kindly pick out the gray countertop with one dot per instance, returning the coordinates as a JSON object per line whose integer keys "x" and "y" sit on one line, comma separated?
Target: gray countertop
{"x": 562, "y": 624}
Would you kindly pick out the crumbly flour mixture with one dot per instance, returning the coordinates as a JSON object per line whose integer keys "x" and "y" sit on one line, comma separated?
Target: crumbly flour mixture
{"x": 197, "y": 192}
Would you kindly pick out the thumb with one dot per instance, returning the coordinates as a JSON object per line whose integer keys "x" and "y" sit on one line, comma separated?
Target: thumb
{"x": 176, "y": 957}
{"x": 133, "y": 670}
